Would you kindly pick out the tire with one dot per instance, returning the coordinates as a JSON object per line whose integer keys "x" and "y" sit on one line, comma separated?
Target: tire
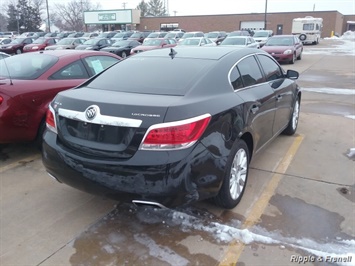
{"x": 300, "y": 56}
{"x": 292, "y": 61}
{"x": 235, "y": 177}
{"x": 293, "y": 123}
{"x": 18, "y": 51}
{"x": 303, "y": 37}
{"x": 123, "y": 54}
{"x": 39, "y": 137}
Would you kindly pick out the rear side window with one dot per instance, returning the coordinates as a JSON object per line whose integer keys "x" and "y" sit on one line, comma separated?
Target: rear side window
{"x": 250, "y": 71}
{"x": 271, "y": 69}
{"x": 236, "y": 79}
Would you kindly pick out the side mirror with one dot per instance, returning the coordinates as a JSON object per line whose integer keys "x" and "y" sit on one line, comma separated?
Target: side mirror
{"x": 292, "y": 74}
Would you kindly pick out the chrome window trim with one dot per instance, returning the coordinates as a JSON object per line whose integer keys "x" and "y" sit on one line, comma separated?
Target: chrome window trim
{"x": 230, "y": 71}
{"x": 100, "y": 119}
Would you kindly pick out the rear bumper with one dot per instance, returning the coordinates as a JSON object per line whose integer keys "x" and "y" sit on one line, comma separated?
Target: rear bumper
{"x": 168, "y": 179}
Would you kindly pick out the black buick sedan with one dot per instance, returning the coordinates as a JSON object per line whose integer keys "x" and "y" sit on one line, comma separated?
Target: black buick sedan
{"x": 122, "y": 48}
{"x": 184, "y": 130}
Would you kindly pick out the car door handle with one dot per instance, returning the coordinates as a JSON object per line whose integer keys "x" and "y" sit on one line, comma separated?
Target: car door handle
{"x": 278, "y": 98}
{"x": 254, "y": 109}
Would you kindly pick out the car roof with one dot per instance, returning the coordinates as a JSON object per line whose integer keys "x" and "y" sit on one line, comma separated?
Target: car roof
{"x": 238, "y": 37}
{"x": 64, "y": 53}
{"x": 194, "y": 32}
{"x": 281, "y": 36}
{"x": 195, "y": 38}
{"x": 204, "y": 52}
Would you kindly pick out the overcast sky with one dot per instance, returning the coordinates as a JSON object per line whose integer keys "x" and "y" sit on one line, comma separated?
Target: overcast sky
{"x": 204, "y": 7}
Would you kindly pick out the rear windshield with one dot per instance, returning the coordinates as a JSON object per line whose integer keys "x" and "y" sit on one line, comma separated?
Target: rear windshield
{"x": 233, "y": 41}
{"x": 261, "y": 34}
{"x": 30, "y": 67}
{"x": 152, "y": 75}
{"x": 212, "y": 35}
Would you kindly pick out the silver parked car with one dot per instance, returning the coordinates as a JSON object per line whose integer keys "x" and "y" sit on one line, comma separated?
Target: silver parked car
{"x": 66, "y": 43}
{"x": 241, "y": 41}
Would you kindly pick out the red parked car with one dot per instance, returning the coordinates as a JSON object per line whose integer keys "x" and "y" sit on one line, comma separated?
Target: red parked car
{"x": 16, "y": 45}
{"x": 152, "y": 44}
{"x": 29, "y": 82}
{"x": 39, "y": 44}
{"x": 284, "y": 48}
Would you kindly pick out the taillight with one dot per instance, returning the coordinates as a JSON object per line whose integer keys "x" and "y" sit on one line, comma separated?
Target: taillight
{"x": 50, "y": 120}
{"x": 175, "y": 135}
{"x": 1, "y": 99}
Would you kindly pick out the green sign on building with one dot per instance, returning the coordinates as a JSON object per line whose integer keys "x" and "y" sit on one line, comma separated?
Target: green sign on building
{"x": 107, "y": 16}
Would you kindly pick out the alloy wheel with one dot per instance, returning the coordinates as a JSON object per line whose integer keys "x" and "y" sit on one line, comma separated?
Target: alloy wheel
{"x": 238, "y": 174}
{"x": 295, "y": 115}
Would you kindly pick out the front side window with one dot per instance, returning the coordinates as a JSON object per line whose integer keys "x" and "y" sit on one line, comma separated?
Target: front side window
{"x": 250, "y": 71}
{"x": 75, "y": 70}
{"x": 308, "y": 26}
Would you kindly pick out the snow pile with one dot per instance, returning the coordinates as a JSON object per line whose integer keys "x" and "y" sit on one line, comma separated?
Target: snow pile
{"x": 339, "y": 248}
{"x": 337, "y": 91}
{"x": 349, "y": 35}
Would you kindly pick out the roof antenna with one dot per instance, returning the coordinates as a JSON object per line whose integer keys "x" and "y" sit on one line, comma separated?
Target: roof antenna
{"x": 172, "y": 53}
{"x": 7, "y": 69}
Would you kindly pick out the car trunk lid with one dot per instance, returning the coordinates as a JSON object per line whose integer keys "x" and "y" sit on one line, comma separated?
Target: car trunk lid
{"x": 107, "y": 124}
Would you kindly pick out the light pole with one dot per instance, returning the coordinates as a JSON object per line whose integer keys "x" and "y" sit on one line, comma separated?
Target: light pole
{"x": 265, "y": 21}
{"x": 49, "y": 24}
{"x": 18, "y": 16}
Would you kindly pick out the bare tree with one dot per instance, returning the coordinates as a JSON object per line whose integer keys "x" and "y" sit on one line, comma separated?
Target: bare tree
{"x": 36, "y": 9}
{"x": 70, "y": 16}
{"x": 3, "y": 22}
{"x": 156, "y": 8}
{"x": 143, "y": 7}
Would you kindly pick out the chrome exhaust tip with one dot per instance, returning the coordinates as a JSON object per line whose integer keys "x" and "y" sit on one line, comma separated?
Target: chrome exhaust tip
{"x": 52, "y": 176}
{"x": 138, "y": 203}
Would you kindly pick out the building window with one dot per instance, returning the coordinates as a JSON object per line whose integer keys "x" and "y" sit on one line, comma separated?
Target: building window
{"x": 169, "y": 26}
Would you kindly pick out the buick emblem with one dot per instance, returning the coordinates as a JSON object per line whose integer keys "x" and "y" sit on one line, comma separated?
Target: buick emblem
{"x": 91, "y": 112}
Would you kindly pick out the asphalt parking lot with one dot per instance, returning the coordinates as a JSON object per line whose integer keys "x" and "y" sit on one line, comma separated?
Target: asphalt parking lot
{"x": 298, "y": 207}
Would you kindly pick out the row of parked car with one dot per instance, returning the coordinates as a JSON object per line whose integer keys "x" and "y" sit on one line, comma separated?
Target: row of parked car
{"x": 115, "y": 42}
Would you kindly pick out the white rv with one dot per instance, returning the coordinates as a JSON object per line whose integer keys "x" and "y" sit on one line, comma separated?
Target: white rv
{"x": 308, "y": 29}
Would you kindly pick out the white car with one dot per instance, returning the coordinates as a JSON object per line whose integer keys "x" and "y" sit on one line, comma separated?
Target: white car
{"x": 5, "y": 40}
{"x": 240, "y": 41}
{"x": 197, "y": 41}
{"x": 261, "y": 36}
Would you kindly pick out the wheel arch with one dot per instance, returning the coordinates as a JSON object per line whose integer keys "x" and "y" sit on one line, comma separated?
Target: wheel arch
{"x": 299, "y": 95}
{"x": 248, "y": 139}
